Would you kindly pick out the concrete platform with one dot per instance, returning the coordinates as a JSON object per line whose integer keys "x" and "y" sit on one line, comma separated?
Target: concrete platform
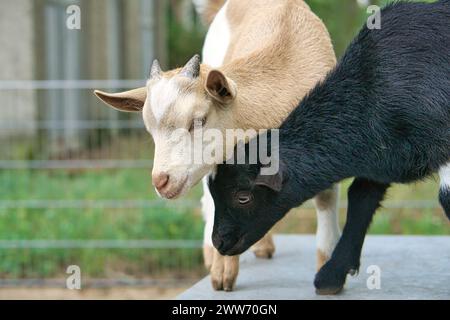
{"x": 411, "y": 268}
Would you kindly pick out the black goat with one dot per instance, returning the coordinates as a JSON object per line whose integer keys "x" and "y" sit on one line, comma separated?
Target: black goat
{"x": 381, "y": 116}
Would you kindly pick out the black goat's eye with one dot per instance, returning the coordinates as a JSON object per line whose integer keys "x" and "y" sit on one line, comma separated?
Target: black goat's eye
{"x": 243, "y": 198}
{"x": 197, "y": 123}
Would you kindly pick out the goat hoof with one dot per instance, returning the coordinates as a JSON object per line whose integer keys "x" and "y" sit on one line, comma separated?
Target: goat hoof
{"x": 329, "y": 291}
{"x": 264, "y": 253}
{"x": 225, "y": 284}
{"x": 330, "y": 279}
{"x": 217, "y": 285}
{"x": 229, "y": 282}
{"x": 228, "y": 287}
{"x": 264, "y": 248}
{"x": 224, "y": 272}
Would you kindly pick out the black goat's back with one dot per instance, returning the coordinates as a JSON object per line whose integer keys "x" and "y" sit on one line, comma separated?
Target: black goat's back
{"x": 386, "y": 106}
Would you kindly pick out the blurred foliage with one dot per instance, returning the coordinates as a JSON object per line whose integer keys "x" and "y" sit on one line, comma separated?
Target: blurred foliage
{"x": 343, "y": 18}
{"x": 164, "y": 222}
{"x": 184, "y": 41}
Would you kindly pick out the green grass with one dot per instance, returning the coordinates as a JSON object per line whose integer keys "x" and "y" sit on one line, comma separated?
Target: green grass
{"x": 164, "y": 222}
{"x": 412, "y": 221}
{"x": 404, "y": 220}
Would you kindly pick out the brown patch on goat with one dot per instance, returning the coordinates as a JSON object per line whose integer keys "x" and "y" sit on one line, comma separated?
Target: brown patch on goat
{"x": 324, "y": 199}
{"x": 322, "y": 258}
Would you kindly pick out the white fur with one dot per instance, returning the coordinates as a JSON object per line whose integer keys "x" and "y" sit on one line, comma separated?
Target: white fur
{"x": 163, "y": 95}
{"x": 166, "y": 93}
{"x": 208, "y": 213}
{"x": 328, "y": 231}
{"x": 217, "y": 39}
{"x": 444, "y": 175}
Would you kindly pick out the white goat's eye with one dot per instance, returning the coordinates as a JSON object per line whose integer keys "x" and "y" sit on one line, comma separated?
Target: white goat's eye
{"x": 244, "y": 197}
{"x": 197, "y": 123}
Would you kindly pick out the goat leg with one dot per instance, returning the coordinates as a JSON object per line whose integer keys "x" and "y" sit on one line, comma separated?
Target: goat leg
{"x": 364, "y": 198}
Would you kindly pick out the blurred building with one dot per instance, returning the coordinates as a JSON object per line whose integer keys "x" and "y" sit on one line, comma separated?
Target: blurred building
{"x": 118, "y": 40}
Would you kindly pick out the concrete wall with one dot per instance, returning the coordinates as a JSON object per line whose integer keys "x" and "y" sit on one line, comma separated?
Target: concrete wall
{"x": 16, "y": 63}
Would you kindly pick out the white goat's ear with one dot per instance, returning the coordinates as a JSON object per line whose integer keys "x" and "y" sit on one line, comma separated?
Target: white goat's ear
{"x": 128, "y": 101}
{"x": 220, "y": 87}
{"x": 273, "y": 182}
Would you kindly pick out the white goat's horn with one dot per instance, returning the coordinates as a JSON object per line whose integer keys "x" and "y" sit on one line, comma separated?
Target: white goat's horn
{"x": 192, "y": 68}
{"x": 155, "y": 72}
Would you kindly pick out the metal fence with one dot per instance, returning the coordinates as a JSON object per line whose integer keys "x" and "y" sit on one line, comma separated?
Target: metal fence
{"x": 34, "y": 143}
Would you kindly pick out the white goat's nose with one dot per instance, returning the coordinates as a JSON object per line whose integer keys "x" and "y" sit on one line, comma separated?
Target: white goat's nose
{"x": 160, "y": 180}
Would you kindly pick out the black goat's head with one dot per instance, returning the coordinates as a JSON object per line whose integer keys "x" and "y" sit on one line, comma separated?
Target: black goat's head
{"x": 247, "y": 204}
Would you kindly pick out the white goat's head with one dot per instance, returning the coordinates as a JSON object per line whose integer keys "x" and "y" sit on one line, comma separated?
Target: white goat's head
{"x": 175, "y": 106}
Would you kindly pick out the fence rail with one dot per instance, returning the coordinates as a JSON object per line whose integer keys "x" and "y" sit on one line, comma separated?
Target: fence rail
{"x": 70, "y": 84}
{"x": 98, "y": 283}
{"x": 94, "y": 204}
{"x": 74, "y": 164}
{"x": 82, "y": 125}
{"x": 100, "y": 244}
{"x": 131, "y": 204}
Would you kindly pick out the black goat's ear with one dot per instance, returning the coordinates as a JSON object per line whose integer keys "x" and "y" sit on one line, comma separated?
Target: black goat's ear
{"x": 273, "y": 182}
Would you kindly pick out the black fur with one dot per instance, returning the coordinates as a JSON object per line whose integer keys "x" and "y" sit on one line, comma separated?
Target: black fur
{"x": 444, "y": 199}
{"x": 382, "y": 116}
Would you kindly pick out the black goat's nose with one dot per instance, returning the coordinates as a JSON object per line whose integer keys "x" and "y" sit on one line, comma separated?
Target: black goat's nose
{"x": 219, "y": 244}
{"x": 224, "y": 243}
